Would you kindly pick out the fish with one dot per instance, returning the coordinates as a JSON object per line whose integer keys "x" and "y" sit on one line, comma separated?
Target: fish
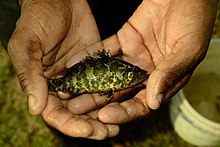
{"x": 98, "y": 73}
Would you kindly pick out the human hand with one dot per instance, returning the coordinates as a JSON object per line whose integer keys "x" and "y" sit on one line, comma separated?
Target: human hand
{"x": 47, "y": 34}
{"x": 166, "y": 38}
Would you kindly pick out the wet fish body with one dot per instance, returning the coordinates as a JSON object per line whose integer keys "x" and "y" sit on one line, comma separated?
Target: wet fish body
{"x": 98, "y": 73}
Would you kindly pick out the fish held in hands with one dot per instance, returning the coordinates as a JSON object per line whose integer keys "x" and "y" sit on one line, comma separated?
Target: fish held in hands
{"x": 98, "y": 73}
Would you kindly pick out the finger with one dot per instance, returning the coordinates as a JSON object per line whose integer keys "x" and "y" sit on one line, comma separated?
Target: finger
{"x": 169, "y": 77}
{"x": 64, "y": 95}
{"x": 25, "y": 57}
{"x": 113, "y": 130}
{"x": 119, "y": 113}
{"x": 86, "y": 126}
{"x": 101, "y": 131}
{"x": 66, "y": 122}
{"x": 112, "y": 44}
{"x": 87, "y": 102}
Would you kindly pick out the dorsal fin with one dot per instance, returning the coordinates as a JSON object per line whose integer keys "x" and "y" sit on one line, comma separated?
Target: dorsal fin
{"x": 100, "y": 54}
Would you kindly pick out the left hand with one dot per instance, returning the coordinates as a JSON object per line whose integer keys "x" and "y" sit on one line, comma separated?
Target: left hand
{"x": 47, "y": 34}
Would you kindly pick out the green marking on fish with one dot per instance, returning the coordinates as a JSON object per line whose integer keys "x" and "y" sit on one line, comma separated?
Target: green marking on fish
{"x": 98, "y": 73}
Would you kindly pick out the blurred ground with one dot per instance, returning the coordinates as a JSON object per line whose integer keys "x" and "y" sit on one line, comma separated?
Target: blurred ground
{"x": 18, "y": 128}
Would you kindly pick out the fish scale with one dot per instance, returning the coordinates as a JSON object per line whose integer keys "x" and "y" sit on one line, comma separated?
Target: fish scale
{"x": 98, "y": 73}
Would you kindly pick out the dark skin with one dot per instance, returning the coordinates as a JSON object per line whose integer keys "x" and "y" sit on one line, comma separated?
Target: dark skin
{"x": 166, "y": 38}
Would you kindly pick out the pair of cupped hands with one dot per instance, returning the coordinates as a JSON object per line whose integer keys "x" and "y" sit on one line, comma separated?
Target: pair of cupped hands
{"x": 167, "y": 38}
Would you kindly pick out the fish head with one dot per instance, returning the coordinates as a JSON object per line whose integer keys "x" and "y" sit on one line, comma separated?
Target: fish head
{"x": 136, "y": 75}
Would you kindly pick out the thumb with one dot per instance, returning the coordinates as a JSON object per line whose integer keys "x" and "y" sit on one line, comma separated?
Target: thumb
{"x": 26, "y": 59}
{"x": 35, "y": 87}
{"x": 167, "y": 79}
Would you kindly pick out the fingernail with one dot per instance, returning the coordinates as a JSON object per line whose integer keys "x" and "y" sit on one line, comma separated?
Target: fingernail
{"x": 160, "y": 98}
{"x": 32, "y": 104}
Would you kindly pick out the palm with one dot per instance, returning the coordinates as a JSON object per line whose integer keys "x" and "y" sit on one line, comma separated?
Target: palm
{"x": 66, "y": 28}
{"x": 54, "y": 31}
{"x": 162, "y": 38}
{"x": 168, "y": 41}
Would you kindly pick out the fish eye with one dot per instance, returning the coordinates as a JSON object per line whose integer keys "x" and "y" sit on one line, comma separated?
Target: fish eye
{"x": 135, "y": 68}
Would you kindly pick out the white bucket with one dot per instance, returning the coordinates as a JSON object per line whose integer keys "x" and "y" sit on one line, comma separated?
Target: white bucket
{"x": 195, "y": 110}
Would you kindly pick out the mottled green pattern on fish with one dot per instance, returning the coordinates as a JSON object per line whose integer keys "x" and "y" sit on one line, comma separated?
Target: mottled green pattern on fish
{"x": 98, "y": 73}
